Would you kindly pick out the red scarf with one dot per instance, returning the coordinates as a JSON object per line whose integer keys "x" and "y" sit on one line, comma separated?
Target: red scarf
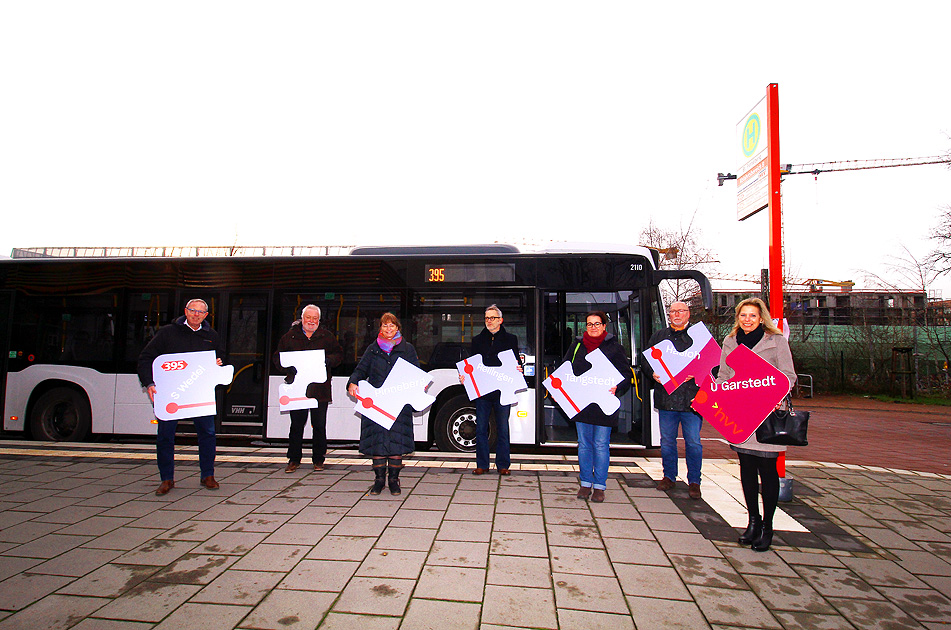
{"x": 591, "y": 343}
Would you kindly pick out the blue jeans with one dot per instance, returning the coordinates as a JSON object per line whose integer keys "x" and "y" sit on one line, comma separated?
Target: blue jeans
{"x": 165, "y": 446}
{"x": 594, "y": 455}
{"x": 484, "y": 406}
{"x": 690, "y": 423}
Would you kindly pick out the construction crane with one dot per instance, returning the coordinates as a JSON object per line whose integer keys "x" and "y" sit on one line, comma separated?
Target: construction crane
{"x": 848, "y": 165}
{"x": 815, "y": 284}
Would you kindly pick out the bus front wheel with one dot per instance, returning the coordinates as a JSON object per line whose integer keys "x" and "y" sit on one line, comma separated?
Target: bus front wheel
{"x": 455, "y": 426}
{"x": 61, "y": 415}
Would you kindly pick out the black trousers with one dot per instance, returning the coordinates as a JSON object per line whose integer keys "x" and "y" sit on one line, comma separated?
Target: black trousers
{"x": 759, "y": 474}
{"x": 318, "y": 422}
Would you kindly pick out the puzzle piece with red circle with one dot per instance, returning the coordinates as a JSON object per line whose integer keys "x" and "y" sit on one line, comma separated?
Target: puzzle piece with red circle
{"x": 674, "y": 366}
{"x": 480, "y": 379}
{"x": 736, "y": 407}
{"x": 311, "y": 367}
{"x": 405, "y": 385}
{"x": 593, "y": 387}
{"x": 185, "y": 384}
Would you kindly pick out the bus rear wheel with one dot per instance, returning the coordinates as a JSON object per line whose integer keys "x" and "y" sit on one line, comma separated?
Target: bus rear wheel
{"x": 455, "y": 426}
{"x": 61, "y": 415}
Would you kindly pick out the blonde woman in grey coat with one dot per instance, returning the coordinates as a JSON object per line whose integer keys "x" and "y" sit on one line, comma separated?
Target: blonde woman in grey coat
{"x": 754, "y": 329}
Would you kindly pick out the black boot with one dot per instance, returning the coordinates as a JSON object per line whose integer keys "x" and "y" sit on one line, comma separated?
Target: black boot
{"x": 379, "y": 481}
{"x": 395, "y": 480}
{"x": 765, "y": 538}
{"x": 753, "y": 531}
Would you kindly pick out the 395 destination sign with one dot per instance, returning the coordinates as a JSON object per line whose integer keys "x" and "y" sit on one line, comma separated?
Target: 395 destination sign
{"x": 462, "y": 272}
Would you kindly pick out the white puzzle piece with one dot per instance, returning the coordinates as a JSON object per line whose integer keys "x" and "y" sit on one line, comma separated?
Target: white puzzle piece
{"x": 311, "y": 368}
{"x": 575, "y": 392}
{"x": 185, "y": 384}
{"x": 480, "y": 379}
{"x": 405, "y": 385}
{"x": 673, "y": 367}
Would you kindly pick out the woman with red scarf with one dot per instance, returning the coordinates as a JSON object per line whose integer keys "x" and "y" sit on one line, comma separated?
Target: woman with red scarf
{"x": 593, "y": 425}
{"x": 385, "y": 447}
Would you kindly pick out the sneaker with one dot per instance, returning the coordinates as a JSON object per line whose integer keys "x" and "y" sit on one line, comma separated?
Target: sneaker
{"x": 665, "y": 484}
{"x": 694, "y": 490}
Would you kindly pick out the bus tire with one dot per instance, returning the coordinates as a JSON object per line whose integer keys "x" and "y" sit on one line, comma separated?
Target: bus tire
{"x": 61, "y": 414}
{"x": 455, "y": 426}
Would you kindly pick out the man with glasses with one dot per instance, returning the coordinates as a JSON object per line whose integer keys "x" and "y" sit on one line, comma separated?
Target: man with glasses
{"x": 675, "y": 410}
{"x": 489, "y": 343}
{"x": 190, "y": 333}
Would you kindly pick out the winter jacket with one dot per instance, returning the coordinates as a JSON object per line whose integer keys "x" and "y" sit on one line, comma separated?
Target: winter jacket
{"x": 177, "y": 337}
{"x": 295, "y": 340}
{"x": 775, "y": 349}
{"x": 592, "y": 414}
{"x": 680, "y": 398}
{"x": 374, "y": 367}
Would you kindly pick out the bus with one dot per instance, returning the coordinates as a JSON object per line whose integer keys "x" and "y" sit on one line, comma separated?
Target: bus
{"x": 76, "y": 322}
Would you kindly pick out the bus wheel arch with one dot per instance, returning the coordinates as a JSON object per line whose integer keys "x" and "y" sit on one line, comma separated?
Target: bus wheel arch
{"x": 59, "y": 411}
{"x": 454, "y": 427}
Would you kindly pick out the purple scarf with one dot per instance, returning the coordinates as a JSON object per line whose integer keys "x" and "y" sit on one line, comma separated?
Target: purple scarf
{"x": 387, "y": 345}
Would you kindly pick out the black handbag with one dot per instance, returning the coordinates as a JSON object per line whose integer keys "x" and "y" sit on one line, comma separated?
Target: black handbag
{"x": 784, "y": 427}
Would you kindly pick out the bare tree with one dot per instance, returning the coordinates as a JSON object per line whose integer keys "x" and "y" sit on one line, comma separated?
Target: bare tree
{"x": 680, "y": 248}
{"x": 940, "y": 258}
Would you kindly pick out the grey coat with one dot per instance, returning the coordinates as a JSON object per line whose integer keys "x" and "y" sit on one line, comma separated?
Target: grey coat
{"x": 775, "y": 349}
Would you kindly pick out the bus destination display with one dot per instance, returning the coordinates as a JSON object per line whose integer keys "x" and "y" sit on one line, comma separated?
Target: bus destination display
{"x": 477, "y": 272}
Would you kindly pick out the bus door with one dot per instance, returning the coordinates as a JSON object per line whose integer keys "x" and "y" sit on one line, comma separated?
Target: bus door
{"x": 6, "y": 313}
{"x": 564, "y": 323}
{"x": 245, "y": 334}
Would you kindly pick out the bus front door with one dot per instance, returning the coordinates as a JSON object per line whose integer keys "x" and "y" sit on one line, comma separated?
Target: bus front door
{"x": 245, "y": 347}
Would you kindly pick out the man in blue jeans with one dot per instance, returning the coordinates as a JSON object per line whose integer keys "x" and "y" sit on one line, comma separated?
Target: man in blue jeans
{"x": 489, "y": 343}
{"x": 190, "y": 333}
{"x": 674, "y": 408}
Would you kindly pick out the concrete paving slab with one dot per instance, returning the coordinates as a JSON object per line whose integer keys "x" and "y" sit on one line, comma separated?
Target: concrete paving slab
{"x": 431, "y": 614}
{"x": 452, "y": 583}
{"x": 54, "y": 612}
{"x": 518, "y": 606}
{"x": 204, "y": 616}
{"x": 289, "y": 609}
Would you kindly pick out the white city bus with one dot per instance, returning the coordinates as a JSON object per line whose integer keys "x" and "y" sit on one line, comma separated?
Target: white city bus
{"x": 76, "y": 324}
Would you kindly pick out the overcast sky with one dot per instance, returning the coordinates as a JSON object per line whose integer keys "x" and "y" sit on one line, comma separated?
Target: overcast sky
{"x": 185, "y": 123}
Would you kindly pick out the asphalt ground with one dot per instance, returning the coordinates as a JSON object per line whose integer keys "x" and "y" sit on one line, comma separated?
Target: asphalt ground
{"x": 865, "y": 542}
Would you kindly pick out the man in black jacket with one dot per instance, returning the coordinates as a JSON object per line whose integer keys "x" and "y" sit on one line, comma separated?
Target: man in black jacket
{"x": 674, "y": 409}
{"x": 188, "y": 334}
{"x": 307, "y": 335}
{"x": 489, "y": 343}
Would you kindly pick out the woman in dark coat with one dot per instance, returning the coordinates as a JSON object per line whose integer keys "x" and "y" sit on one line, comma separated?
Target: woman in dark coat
{"x": 593, "y": 425}
{"x": 385, "y": 447}
{"x": 758, "y": 474}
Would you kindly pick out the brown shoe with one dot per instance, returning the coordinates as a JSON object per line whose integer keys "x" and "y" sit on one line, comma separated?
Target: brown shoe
{"x": 665, "y": 484}
{"x": 318, "y": 467}
{"x": 291, "y": 467}
{"x": 210, "y": 483}
{"x": 694, "y": 490}
{"x": 584, "y": 493}
{"x": 479, "y": 471}
{"x": 164, "y": 487}
{"x": 504, "y": 471}
{"x": 597, "y": 496}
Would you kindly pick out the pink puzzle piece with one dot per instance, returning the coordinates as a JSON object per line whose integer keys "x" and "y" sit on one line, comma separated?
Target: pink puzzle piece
{"x": 735, "y": 408}
{"x": 405, "y": 385}
{"x": 480, "y": 379}
{"x": 185, "y": 384}
{"x": 575, "y": 392}
{"x": 673, "y": 367}
{"x": 311, "y": 368}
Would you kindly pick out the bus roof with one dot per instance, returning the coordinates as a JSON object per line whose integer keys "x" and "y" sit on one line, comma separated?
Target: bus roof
{"x": 330, "y": 250}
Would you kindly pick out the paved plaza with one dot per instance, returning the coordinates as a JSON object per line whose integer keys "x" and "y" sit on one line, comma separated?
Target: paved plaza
{"x": 85, "y": 543}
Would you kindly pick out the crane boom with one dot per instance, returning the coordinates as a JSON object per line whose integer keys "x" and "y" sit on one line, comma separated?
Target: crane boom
{"x": 860, "y": 165}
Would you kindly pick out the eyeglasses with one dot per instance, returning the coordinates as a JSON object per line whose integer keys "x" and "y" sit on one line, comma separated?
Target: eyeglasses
{"x": 196, "y": 311}
{"x": 595, "y": 325}
{"x": 679, "y": 310}
{"x": 491, "y": 319}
